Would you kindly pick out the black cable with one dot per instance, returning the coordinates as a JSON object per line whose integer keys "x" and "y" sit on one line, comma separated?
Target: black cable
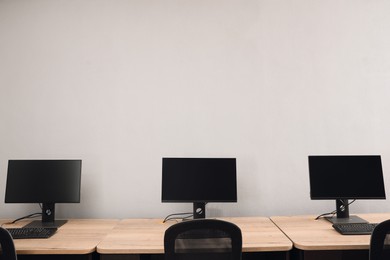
{"x": 189, "y": 215}
{"x": 33, "y": 215}
{"x": 326, "y": 214}
{"x": 333, "y": 212}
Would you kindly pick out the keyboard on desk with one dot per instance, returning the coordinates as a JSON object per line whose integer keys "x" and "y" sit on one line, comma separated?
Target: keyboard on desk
{"x": 355, "y": 228}
{"x": 20, "y": 233}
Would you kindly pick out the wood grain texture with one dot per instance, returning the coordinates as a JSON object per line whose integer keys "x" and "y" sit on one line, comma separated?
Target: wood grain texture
{"x": 146, "y": 236}
{"x": 309, "y": 234}
{"x": 77, "y": 236}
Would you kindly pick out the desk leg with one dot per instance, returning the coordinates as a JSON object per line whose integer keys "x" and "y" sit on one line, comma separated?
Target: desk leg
{"x": 145, "y": 257}
{"x": 297, "y": 254}
{"x": 58, "y": 257}
{"x": 119, "y": 257}
{"x": 283, "y": 255}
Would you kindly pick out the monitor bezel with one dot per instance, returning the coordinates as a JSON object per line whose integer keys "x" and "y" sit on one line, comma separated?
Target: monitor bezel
{"x": 346, "y": 197}
{"x": 199, "y": 200}
{"x": 27, "y": 201}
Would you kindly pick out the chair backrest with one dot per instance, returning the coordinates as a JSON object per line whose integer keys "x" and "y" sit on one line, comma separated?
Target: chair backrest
{"x": 380, "y": 243}
{"x": 203, "y": 239}
{"x": 7, "y": 245}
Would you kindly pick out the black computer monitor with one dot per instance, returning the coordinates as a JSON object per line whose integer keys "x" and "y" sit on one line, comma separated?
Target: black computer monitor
{"x": 46, "y": 182}
{"x": 199, "y": 181}
{"x": 343, "y": 177}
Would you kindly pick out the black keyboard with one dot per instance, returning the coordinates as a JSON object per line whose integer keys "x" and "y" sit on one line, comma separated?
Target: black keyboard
{"x": 20, "y": 233}
{"x": 355, "y": 228}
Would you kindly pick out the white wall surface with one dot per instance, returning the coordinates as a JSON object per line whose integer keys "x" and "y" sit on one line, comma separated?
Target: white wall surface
{"x": 122, "y": 83}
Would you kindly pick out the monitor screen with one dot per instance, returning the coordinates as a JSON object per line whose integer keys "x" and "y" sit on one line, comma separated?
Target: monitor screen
{"x": 43, "y": 181}
{"x": 199, "y": 180}
{"x": 346, "y": 177}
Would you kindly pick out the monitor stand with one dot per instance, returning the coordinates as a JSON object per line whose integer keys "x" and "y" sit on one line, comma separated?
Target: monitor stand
{"x": 342, "y": 209}
{"x": 41, "y": 224}
{"x": 199, "y": 210}
{"x": 48, "y": 218}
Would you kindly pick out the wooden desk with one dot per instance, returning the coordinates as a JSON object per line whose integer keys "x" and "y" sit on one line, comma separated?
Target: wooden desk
{"x": 318, "y": 240}
{"x": 76, "y": 237}
{"x": 146, "y": 236}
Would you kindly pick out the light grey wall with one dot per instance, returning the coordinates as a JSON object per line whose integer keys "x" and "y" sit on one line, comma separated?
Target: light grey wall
{"x": 120, "y": 84}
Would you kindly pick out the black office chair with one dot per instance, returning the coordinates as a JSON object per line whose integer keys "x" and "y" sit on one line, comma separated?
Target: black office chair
{"x": 7, "y": 245}
{"x": 203, "y": 239}
{"x": 380, "y": 241}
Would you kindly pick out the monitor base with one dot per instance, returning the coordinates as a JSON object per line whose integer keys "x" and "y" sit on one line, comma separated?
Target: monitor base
{"x": 350, "y": 219}
{"x": 40, "y": 224}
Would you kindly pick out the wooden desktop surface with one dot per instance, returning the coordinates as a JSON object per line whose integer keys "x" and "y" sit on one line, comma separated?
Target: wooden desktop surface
{"x": 146, "y": 236}
{"x": 77, "y": 236}
{"x": 310, "y": 234}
